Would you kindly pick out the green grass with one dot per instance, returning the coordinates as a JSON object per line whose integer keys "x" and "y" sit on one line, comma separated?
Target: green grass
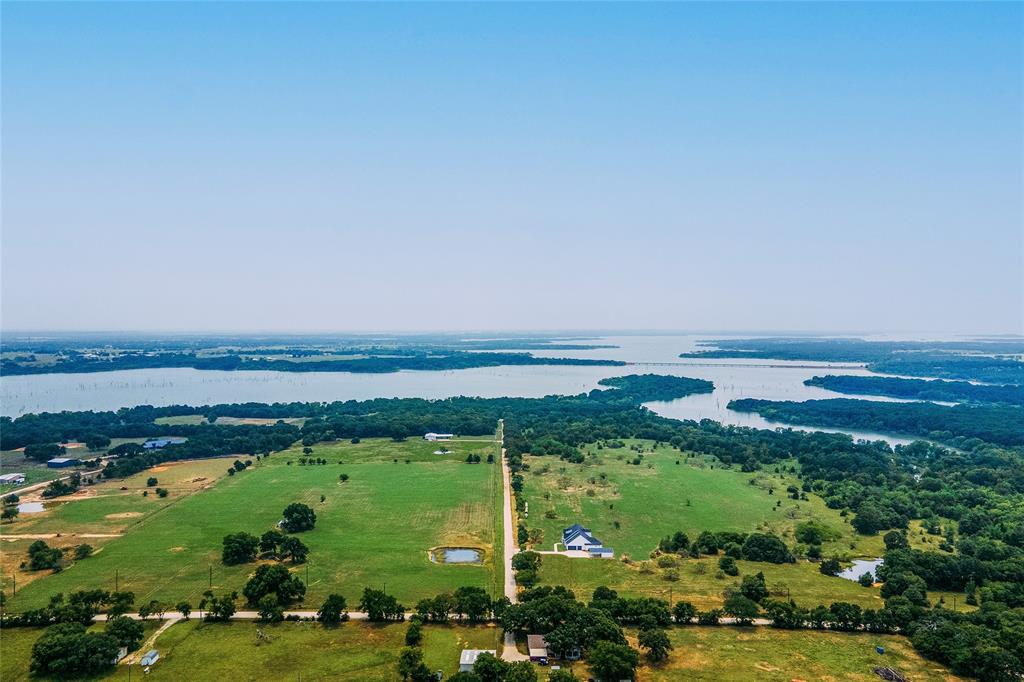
{"x": 376, "y": 528}
{"x": 770, "y": 655}
{"x": 698, "y": 582}
{"x": 16, "y": 647}
{"x": 196, "y": 651}
{"x": 362, "y": 651}
{"x": 659, "y": 497}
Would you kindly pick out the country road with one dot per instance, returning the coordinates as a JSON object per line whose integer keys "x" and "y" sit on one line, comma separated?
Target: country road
{"x": 509, "y": 651}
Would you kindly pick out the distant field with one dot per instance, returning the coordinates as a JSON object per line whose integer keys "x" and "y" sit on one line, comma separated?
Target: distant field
{"x": 377, "y": 528}
{"x": 225, "y": 421}
{"x": 102, "y": 509}
{"x": 659, "y": 497}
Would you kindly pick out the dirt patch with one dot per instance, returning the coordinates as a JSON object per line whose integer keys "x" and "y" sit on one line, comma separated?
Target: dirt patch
{"x": 123, "y": 515}
{"x": 176, "y": 549}
{"x": 160, "y": 468}
{"x": 768, "y": 668}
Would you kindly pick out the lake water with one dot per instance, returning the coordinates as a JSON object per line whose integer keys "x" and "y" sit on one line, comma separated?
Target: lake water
{"x": 860, "y": 567}
{"x": 733, "y": 378}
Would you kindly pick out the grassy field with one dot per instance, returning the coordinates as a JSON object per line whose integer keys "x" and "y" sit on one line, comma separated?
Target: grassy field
{"x": 15, "y": 462}
{"x": 378, "y": 527}
{"x": 631, "y": 507}
{"x": 196, "y": 651}
{"x": 16, "y": 647}
{"x": 361, "y": 651}
{"x": 770, "y": 655}
{"x": 97, "y": 514}
{"x": 226, "y": 421}
{"x": 671, "y": 491}
{"x": 699, "y": 585}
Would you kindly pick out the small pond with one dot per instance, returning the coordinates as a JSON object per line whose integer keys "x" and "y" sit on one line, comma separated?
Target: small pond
{"x": 860, "y": 567}
{"x": 456, "y": 555}
{"x": 30, "y": 507}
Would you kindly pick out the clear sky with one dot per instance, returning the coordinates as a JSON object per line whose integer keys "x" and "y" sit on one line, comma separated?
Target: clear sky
{"x": 460, "y": 166}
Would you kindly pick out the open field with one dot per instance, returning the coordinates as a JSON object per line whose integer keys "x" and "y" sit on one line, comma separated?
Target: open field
{"x": 97, "y": 514}
{"x": 196, "y": 651}
{"x": 660, "y": 496}
{"x": 760, "y": 653}
{"x": 378, "y": 527}
{"x": 226, "y": 421}
{"x": 362, "y": 651}
{"x": 699, "y": 585}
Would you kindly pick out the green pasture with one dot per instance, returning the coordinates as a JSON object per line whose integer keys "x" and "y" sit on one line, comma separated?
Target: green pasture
{"x": 376, "y": 529}
{"x": 631, "y": 507}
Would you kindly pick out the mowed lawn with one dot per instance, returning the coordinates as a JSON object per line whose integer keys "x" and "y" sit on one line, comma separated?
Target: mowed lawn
{"x": 217, "y": 651}
{"x": 631, "y": 507}
{"x": 400, "y": 501}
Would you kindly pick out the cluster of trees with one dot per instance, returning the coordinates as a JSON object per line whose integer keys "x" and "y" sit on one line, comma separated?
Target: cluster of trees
{"x": 747, "y": 546}
{"x": 572, "y": 628}
{"x": 526, "y": 566}
{"x": 651, "y": 387}
{"x": 59, "y": 487}
{"x": 239, "y": 466}
{"x": 241, "y": 547}
{"x": 380, "y": 606}
{"x": 41, "y": 452}
{"x": 272, "y": 588}
{"x": 921, "y": 389}
{"x": 999, "y": 424}
{"x": 42, "y": 557}
{"x": 471, "y": 604}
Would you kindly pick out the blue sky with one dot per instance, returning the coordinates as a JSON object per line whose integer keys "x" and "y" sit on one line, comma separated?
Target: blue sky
{"x": 380, "y": 166}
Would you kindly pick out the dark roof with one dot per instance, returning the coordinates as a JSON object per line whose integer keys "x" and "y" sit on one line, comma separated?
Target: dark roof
{"x": 576, "y": 531}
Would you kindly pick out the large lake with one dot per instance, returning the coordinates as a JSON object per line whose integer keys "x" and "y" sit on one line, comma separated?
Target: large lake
{"x": 768, "y": 379}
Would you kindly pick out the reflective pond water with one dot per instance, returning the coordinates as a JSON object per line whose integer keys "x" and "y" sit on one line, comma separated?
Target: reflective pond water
{"x": 860, "y": 567}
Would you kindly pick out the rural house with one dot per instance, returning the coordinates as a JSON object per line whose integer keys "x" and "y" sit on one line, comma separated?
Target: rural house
{"x": 12, "y": 479}
{"x": 438, "y": 436}
{"x": 578, "y": 538}
{"x": 61, "y": 462}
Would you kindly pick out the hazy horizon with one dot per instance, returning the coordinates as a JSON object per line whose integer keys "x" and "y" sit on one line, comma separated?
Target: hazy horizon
{"x": 302, "y": 168}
